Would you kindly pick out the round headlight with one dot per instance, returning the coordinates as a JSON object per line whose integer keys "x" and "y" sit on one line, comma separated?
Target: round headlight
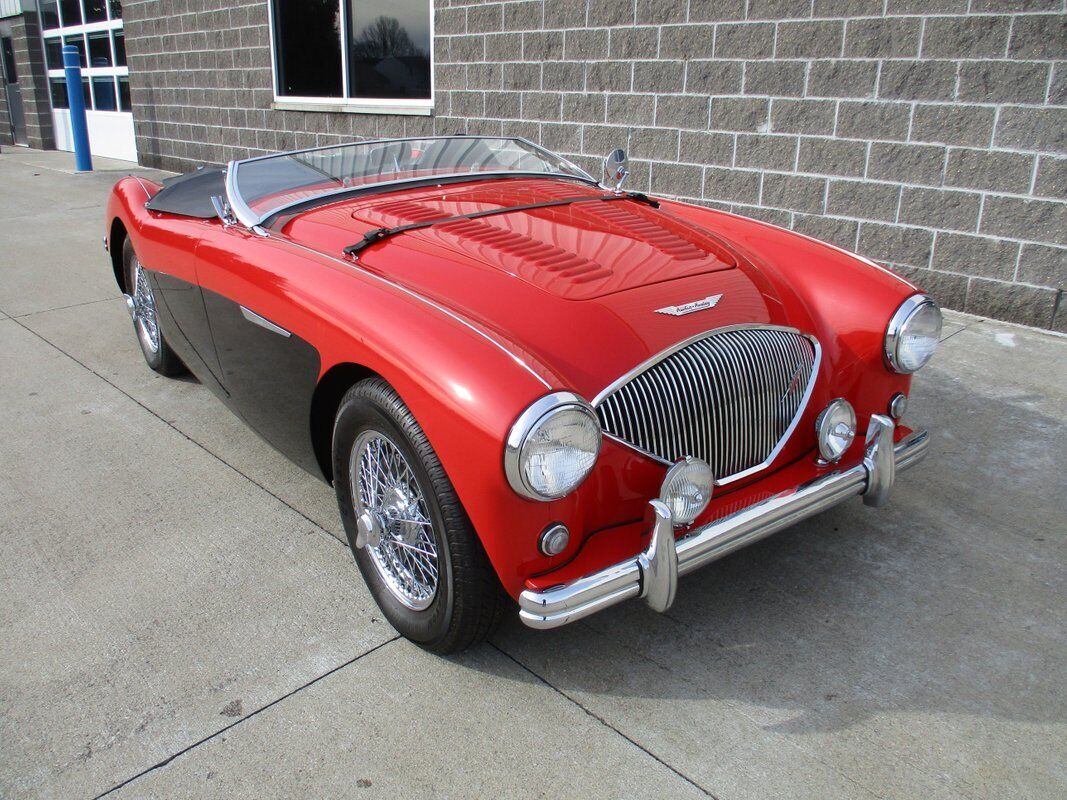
{"x": 552, "y": 447}
{"x": 913, "y": 334}
{"x": 836, "y": 427}
{"x": 687, "y": 489}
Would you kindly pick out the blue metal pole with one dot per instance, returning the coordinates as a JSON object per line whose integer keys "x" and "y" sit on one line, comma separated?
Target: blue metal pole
{"x": 83, "y": 160}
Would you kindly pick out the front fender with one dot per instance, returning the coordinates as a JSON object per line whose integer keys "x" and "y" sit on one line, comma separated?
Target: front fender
{"x": 464, "y": 385}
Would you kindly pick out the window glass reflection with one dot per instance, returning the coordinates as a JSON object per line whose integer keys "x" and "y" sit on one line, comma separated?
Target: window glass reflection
{"x": 58, "y": 88}
{"x": 100, "y": 49}
{"x": 389, "y": 48}
{"x": 79, "y": 42}
{"x": 49, "y": 10}
{"x": 308, "y": 47}
{"x": 53, "y": 53}
{"x": 95, "y": 10}
{"x": 104, "y": 92}
{"x": 124, "y": 95}
{"x": 70, "y": 12}
{"x": 120, "y": 48}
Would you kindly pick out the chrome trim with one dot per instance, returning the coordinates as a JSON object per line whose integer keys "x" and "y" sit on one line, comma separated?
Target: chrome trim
{"x": 703, "y": 304}
{"x": 617, "y": 167}
{"x": 249, "y": 219}
{"x": 542, "y": 540}
{"x": 880, "y": 461}
{"x": 897, "y": 323}
{"x": 659, "y": 562}
{"x": 263, "y": 322}
{"x": 821, "y": 434}
{"x": 223, "y": 210}
{"x": 245, "y": 215}
{"x": 648, "y": 573}
{"x": 524, "y": 425}
{"x": 898, "y": 406}
{"x": 680, "y": 465}
{"x": 698, "y": 368}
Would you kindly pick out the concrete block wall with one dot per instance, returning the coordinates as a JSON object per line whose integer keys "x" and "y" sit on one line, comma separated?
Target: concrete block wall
{"x": 33, "y": 82}
{"x": 930, "y": 135}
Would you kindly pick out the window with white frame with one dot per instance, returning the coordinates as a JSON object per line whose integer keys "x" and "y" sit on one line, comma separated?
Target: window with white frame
{"x": 95, "y": 28}
{"x": 375, "y": 54}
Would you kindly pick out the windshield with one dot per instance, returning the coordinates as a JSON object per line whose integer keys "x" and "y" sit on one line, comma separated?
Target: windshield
{"x": 269, "y": 184}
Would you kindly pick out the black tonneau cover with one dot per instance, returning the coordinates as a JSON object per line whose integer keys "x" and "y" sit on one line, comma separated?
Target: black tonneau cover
{"x": 189, "y": 195}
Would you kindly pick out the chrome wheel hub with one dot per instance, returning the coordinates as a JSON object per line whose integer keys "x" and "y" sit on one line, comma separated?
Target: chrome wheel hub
{"x": 143, "y": 309}
{"x": 392, "y": 520}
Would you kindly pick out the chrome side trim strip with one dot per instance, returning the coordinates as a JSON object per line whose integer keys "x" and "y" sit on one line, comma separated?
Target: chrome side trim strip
{"x": 645, "y": 576}
{"x": 263, "y": 322}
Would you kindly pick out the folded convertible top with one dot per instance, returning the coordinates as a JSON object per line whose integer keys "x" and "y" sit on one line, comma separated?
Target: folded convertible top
{"x": 190, "y": 194}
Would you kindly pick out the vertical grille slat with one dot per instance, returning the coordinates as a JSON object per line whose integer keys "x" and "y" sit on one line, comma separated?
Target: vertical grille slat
{"x": 729, "y": 398}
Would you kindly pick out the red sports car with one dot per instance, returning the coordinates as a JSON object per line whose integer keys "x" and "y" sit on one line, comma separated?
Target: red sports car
{"x": 522, "y": 383}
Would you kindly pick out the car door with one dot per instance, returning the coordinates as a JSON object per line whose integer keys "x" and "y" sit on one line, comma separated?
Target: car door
{"x": 269, "y": 371}
{"x": 166, "y": 247}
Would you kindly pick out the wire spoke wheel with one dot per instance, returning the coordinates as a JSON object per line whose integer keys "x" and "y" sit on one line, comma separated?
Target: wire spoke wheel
{"x": 394, "y": 522}
{"x": 144, "y": 309}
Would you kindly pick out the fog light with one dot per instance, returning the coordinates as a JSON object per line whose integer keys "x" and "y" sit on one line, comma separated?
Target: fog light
{"x": 898, "y": 405}
{"x": 836, "y": 427}
{"x": 687, "y": 489}
{"x": 555, "y": 539}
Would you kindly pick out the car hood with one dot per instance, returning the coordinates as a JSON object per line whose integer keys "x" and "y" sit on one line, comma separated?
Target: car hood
{"x": 581, "y": 292}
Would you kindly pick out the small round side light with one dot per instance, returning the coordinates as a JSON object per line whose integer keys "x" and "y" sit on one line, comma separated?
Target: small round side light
{"x": 836, "y": 428}
{"x": 687, "y": 489}
{"x": 554, "y": 539}
{"x": 898, "y": 405}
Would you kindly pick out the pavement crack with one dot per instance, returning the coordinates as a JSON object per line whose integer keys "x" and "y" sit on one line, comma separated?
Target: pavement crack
{"x": 62, "y": 308}
{"x": 604, "y": 722}
{"x": 235, "y": 723}
{"x": 961, "y": 330}
{"x": 317, "y": 527}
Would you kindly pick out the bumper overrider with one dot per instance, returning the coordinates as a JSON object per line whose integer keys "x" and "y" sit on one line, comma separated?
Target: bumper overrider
{"x": 653, "y": 574}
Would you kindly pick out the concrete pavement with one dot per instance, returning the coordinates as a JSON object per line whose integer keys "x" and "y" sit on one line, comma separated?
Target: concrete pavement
{"x": 179, "y": 618}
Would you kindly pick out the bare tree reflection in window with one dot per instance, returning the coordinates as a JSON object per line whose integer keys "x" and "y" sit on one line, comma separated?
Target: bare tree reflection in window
{"x": 384, "y": 61}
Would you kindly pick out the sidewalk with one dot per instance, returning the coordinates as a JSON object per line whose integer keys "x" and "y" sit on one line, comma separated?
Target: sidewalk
{"x": 179, "y": 618}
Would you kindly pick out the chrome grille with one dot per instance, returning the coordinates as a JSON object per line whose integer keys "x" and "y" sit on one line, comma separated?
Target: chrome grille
{"x": 730, "y": 397}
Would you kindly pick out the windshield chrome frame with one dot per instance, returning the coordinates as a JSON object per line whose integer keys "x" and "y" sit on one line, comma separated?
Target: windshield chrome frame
{"x": 250, "y": 219}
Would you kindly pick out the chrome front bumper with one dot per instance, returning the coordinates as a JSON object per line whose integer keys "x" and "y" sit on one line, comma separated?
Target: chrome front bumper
{"x": 653, "y": 574}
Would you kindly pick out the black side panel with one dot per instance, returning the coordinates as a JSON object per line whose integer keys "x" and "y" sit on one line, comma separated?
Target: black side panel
{"x": 190, "y": 195}
{"x": 270, "y": 378}
{"x": 186, "y": 326}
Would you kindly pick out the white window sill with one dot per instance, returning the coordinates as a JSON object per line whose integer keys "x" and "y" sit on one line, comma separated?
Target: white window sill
{"x": 424, "y": 109}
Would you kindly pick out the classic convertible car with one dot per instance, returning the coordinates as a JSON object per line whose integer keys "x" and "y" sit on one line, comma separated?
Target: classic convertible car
{"x": 522, "y": 383}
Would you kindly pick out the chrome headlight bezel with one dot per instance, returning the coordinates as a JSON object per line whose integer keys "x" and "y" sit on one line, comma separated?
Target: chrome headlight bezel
{"x": 839, "y": 411}
{"x": 539, "y": 412}
{"x": 898, "y": 325}
{"x": 688, "y": 472}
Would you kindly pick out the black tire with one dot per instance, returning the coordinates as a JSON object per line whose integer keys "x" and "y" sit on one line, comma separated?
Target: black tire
{"x": 163, "y": 360}
{"x": 469, "y": 600}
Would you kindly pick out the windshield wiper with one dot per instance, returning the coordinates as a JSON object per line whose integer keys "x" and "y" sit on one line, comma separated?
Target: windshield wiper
{"x": 380, "y": 234}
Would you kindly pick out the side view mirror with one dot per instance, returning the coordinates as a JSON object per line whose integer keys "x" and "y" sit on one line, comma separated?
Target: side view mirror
{"x": 223, "y": 210}
{"x": 616, "y": 168}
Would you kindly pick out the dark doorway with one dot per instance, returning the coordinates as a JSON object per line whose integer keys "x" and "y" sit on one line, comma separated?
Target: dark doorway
{"x": 14, "y": 93}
